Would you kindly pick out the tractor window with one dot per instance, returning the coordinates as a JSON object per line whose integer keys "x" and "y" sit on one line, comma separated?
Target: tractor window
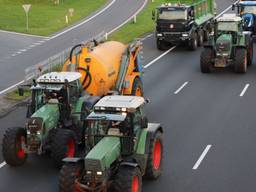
{"x": 227, "y": 26}
{"x": 248, "y": 9}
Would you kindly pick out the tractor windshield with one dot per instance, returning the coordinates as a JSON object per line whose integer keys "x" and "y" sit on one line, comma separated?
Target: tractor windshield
{"x": 248, "y": 9}
{"x": 172, "y": 14}
{"x": 227, "y": 26}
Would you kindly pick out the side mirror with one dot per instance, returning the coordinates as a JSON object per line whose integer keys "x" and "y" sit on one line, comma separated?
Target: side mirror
{"x": 233, "y": 7}
{"x": 21, "y": 91}
{"x": 153, "y": 15}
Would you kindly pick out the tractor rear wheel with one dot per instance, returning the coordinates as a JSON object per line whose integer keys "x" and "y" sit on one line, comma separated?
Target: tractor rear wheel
{"x": 68, "y": 174}
{"x": 193, "y": 42}
{"x": 206, "y": 60}
{"x": 161, "y": 45}
{"x": 128, "y": 179}
{"x": 137, "y": 87}
{"x": 13, "y": 146}
{"x": 250, "y": 53}
{"x": 154, "y": 163}
{"x": 240, "y": 63}
{"x": 64, "y": 145}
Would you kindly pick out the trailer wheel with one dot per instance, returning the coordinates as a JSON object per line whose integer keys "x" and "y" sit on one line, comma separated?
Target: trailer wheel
{"x": 193, "y": 42}
{"x": 13, "y": 146}
{"x": 161, "y": 45}
{"x": 200, "y": 38}
{"x": 154, "y": 163}
{"x": 137, "y": 87}
{"x": 64, "y": 145}
{"x": 128, "y": 179}
{"x": 250, "y": 53}
{"x": 206, "y": 60}
{"x": 240, "y": 63}
{"x": 68, "y": 174}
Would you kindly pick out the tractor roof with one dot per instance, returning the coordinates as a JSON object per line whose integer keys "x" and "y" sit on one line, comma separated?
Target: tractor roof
{"x": 59, "y": 77}
{"x": 117, "y": 101}
{"x": 230, "y": 17}
{"x": 248, "y": 3}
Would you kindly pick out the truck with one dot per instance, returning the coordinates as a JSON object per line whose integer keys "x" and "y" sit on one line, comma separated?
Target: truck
{"x": 60, "y": 100}
{"x": 122, "y": 149}
{"x": 187, "y": 22}
{"x": 247, "y": 10}
{"x": 229, "y": 45}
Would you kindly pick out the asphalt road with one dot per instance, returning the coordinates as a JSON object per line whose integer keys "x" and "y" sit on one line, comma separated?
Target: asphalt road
{"x": 115, "y": 14}
{"x": 198, "y": 112}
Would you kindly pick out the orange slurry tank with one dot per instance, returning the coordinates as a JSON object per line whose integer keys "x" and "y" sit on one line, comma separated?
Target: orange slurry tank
{"x": 108, "y": 67}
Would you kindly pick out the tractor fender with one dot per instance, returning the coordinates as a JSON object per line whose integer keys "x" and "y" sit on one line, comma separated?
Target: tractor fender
{"x": 152, "y": 129}
{"x": 72, "y": 160}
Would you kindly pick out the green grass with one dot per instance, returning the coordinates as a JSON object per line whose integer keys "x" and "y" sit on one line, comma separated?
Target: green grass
{"x": 14, "y": 95}
{"x": 45, "y": 18}
{"x": 143, "y": 26}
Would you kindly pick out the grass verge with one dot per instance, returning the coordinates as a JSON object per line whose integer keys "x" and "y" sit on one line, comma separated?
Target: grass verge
{"x": 45, "y": 17}
{"x": 144, "y": 25}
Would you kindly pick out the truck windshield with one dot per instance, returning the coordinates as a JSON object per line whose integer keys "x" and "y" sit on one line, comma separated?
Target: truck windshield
{"x": 173, "y": 14}
{"x": 227, "y": 26}
{"x": 248, "y": 9}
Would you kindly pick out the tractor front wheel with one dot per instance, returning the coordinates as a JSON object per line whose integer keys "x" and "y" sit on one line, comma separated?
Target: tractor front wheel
{"x": 128, "y": 179}
{"x": 64, "y": 145}
{"x": 240, "y": 63}
{"x": 206, "y": 60}
{"x": 161, "y": 45}
{"x": 154, "y": 163}
{"x": 14, "y": 142}
{"x": 137, "y": 87}
{"x": 68, "y": 174}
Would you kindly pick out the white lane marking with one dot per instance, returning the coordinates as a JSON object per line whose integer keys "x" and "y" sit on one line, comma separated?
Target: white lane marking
{"x": 137, "y": 12}
{"x": 18, "y": 53}
{"x": 2, "y": 164}
{"x": 86, "y": 21}
{"x": 181, "y": 87}
{"x": 201, "y": 158}
{"x": 13, "y": 55}
{"x": 23, "y": 34}
{"x": 11, "y": 87}
{"x": 244, "y": 90}
{"x": 23, "y": 50}
{"x": 159, "y": 57}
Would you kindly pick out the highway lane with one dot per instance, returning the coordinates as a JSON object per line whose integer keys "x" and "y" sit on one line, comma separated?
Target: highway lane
{"x": 207, "y": 111}
{"x": 112, "y": 17}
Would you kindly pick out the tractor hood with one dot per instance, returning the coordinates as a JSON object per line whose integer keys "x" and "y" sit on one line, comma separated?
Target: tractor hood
{"x": 224, "y": 43}
{"x": 248, "y": 21}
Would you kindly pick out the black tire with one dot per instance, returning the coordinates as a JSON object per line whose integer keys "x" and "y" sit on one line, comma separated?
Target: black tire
{"x": 137, "y": 87}
{"x": 206, "y": 58}
{"x": 161, "y": 45}
{"x": 64, "y": 145}
{"x": 12, "y": 150}
{"x": 240, "y": 63}
{"x": 68, "y": 174}
{"x": 193, "y": 42}
{"x": 250, "y": 53}
{"x": 206, "y": 35}
{"x": 200, "y": 38}
{"x": 154, "y": 166}
{"x": 124, "y": 179}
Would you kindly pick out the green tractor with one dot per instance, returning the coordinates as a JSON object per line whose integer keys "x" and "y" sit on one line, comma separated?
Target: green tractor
{"x": 229, "y": 45}
{"x": 54, "y": 119}
{"x": 122, "y": 147}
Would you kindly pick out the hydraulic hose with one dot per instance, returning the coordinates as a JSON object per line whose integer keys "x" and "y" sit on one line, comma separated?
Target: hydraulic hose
{"x": 88, "y": 75}
{"x": 72, "y": 50}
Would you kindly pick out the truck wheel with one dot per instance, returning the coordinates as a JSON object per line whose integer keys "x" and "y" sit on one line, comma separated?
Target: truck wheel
{"x": 137, "y": 87}
{"x": 250, "y": 53}
{"x": 13, "y": 146}
{"x": 64, "y": 145}
{"x": 240, "y": 63}
{"x": 68, "y": 174}
{"x": 206, "y": 60}
{"x": 200, "y": 38}
{"x": 161, "y": 45}
{"x": 193, "y": 42}
{"x": 154, "y": 163}
{"x": 206, "y": 35}
{"x": 128, "y": 179}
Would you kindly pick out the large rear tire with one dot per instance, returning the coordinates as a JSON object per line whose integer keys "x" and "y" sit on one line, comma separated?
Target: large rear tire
{"x": 13, "y": 146}
{"x": 250, "y": 53}
{"x": 128, "y": 179}
{"x": 154, "y": 163}
{"x": 68, "y": 174}
{"x": 240, "y": 63}
{"x": 64, "y": 145}
{"x": 137, "y": 87}
{"x": 206, "y": 60}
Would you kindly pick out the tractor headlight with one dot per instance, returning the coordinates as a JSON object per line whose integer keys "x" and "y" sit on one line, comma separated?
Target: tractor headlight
{"x": 88, "y": 172}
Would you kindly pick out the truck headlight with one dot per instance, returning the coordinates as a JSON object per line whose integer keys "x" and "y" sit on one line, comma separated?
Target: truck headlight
{"x": 99, "y": 173}
{"x": 88, "y": 172}
{"x": 159, "y": 35}
{"x": 184, "y": 35}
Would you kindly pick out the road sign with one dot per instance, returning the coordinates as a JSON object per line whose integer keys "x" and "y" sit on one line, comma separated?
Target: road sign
{"x": 26, "y": 8}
